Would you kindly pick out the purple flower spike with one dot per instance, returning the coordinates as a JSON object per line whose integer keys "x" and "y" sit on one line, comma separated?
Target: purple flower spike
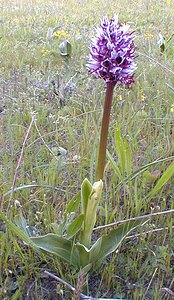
{"x": 112, "y": 53}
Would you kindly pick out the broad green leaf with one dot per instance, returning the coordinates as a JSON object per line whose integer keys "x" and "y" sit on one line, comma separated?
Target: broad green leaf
{"x": 15, "y": 229}
{"x": 21, "y": 223}
{"x": 162, "y": 181}
{"x": 75, "y": 226}
{"x": 83, "y": 253}
{"x": 114, "y": 166}
{"x": 62, "y": 226}
{"x": 73, "y": 204}
{"x": 86, "y": 189}
{"x": 94, "y": 251}
{"x": 120, "y": 149}
{"x": 59, "y": 246}
{"x": 107, "y": 244}
{"x": 57, "y": 228}
{"x": 65, "y": 48}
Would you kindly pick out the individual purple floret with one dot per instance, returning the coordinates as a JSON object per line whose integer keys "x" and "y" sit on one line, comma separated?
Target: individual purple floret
{"x": 112, "y": 53}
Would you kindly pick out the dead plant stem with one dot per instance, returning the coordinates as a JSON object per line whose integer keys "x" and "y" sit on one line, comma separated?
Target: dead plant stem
{"x": 19, "y": 164}
{"x": 135, "y": 218}
{"x": 82, "y": 296}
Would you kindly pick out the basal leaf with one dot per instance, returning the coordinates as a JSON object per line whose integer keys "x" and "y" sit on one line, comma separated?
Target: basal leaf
{"x": 73, "y": 204}
{"x": 59, "y": 246}
{"x": 21, "y": 223}
{"x": 95, "y": 250}
{"x": 75, "y": 226}
{"x": 83, "y": 253}
{"x": 20, "y": 233}
{"x": 110, "y": 242}
{"x": 57, "y": 228}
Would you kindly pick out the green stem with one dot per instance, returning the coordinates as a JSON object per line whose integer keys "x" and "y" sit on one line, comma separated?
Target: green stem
{"x": 104, "y": 130}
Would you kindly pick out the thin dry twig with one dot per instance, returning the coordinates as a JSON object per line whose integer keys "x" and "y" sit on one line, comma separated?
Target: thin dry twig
{"x": 135, "y": 218}
{"x": 150, "y": 282}
{"x": 147, "y": 232}
{"x": 170, "y": 87}
{"x": 45, "y": 144}
{"x": 156, "y": 62}
{"x": 65, "y": 283}
{"x": 19, "y": 163}
{"x": 82, "y": 296}
{"x": 168, "y": 291}
{"x": 60, "y": 280}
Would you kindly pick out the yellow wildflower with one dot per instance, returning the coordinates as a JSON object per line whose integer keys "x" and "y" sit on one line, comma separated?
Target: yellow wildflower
{"x": 168, "y": 2}
{"x": 60, "y": 34}
{"x": 45, "y": 52}
{"x": 120, "y": 97}
{"x": 142, "y": 97}
{"x": 172, "y": 109}
{"x": 148, "y": 35}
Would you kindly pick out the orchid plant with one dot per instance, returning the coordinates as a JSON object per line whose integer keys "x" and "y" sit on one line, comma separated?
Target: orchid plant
{"x": 112, "y": 56}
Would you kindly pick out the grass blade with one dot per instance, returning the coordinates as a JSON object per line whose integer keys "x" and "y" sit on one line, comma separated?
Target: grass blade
{"x": 114, "y": 166}
{"x": 162, "y": 181}
{"x": 120, "y": 149}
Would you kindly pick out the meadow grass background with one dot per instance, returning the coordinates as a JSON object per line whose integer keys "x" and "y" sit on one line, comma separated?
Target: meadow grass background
{"x": 31, "y": 71}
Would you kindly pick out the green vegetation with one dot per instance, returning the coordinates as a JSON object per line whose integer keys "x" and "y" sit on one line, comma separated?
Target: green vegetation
{"x": 61, "y": 146}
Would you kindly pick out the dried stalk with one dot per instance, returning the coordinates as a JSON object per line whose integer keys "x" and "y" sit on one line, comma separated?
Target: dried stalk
{"x": 135, "y": 218}
{"x": 19, "y": 164}
{"x": 150, "y": 282}
{"x": 82, "y": 296}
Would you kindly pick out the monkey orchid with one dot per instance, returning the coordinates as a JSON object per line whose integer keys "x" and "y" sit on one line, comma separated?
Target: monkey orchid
{"x": 111, "y": 58}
